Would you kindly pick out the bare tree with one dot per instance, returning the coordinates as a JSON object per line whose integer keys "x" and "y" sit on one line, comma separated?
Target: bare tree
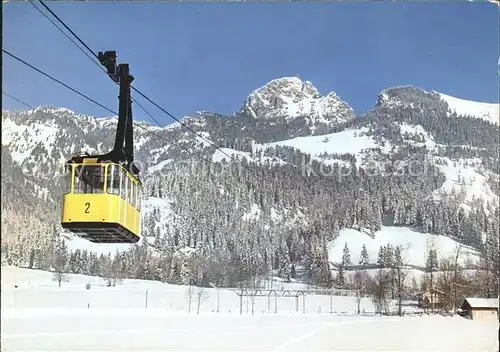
{"x": 414, "y": 286}
{"x": 400, "y": 270}
{"x": 218, "y": 296}
{"x": 107, "y": 274}
{"x": 201, "y": 296}
{"x": 359, "y": 279}
{"x": 189, "y": 296}
{"x": 382, "y": 282}
{"x": 451, "y": 279}
{"x": 458, "y": 276}
{"x": 489, "y": 267}
{"x": 444, "y": 282}
{"x": 112, "y": 271}
{"x": 60, "y": 277}
{"x": 255, "y": 284}
{"x": 455, "y": 282}
{"x": 59, "y": 262}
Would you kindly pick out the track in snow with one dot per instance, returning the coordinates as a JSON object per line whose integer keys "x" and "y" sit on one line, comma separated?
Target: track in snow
{"x": 153, "y": 331}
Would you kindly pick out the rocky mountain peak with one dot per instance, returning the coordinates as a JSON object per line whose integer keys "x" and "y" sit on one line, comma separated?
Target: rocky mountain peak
{"x": 401, "y": 96}
{"x": 291, "y": 98}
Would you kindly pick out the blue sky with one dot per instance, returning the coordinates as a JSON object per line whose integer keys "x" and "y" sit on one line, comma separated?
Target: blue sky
{"x": 210, "y": 56}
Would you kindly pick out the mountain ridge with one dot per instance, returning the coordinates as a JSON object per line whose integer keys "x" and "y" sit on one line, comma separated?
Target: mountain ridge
{"x": 302, "y": 182}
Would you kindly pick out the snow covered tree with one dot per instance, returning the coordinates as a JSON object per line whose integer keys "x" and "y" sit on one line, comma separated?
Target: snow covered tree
{"x": 400, "y": 272}
{"x": 209, "y": 206}
{"x": 431, "y": 266}
{"x": 381, "y": 257}
{"x": 364, "y": 259}
{"x": 346, "y": 257}
{"x": 340, "y": 276}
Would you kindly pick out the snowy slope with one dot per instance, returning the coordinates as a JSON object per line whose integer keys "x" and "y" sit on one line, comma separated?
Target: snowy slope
{"x": 42, "y": 134}
{"x": 350, "y": 141}
{"x": 341, "y": 143}
{"x": 410, "y": 96}
{"x": 415, "y": 244}
{"x": 36, "y": 290}
{"x": 49, "y": 140}
{"x": 486, "y": 111}
{"x": 38, "y": 315}
{"x": 463, "y": 176}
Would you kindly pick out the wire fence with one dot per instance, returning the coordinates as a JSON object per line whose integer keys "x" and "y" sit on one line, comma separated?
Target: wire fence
{"x": 191, "y": 299}
{"x": 188, "y": 299}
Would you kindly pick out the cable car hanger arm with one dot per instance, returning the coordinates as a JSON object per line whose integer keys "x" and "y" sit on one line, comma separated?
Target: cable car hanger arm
{"x": 123, "y": 149}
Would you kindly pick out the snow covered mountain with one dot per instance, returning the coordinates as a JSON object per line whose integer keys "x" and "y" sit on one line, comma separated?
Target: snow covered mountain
{"x": 486, "y": 111}
{"x": 291, "y": 98}
{"x": 413, "y": 97}
{"x": 312, "y": 169}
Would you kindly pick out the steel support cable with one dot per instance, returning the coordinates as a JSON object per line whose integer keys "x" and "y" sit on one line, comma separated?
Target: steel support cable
{"x": 17, "y": 99}
{"x": 97, "y": 103}
{"x": 133, "y": 88}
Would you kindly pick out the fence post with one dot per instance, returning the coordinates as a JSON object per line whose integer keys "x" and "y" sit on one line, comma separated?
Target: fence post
{"x": 146, "y": 301}
{"x": 217, "y": 300}
{"x": 358, "y": 299}
{"x": 275, "y": 302}
{"x": 331, "y": 302}
{"x": 241, "y": 304}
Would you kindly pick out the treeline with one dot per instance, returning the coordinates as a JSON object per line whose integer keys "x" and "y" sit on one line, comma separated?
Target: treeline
{"x": 242, "y": 222}
{"x": 392, "y": 278}
{"x": 245, "y": 221}
{"x": 232, "y": 222}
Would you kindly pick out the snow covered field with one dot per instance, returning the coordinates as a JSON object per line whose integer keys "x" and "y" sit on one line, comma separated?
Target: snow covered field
{"x": 129, "y": 330}
{"x": 39, "y": 316}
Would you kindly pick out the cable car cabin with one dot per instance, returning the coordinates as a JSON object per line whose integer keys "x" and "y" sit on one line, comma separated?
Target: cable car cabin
{"x": 102, "y": 202}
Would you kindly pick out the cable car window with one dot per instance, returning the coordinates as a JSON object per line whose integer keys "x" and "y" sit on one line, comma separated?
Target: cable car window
{"x": 67, "y": 178}
{"x": 123, "y": 183}
{"x": 139, "y": 198}
{"x": 114, "y": 175}
{"x": 127, "y": 188}
{"x": 134, "y": 194}
{"x": 89, "y": 179}
{"x": 129, "y": 191}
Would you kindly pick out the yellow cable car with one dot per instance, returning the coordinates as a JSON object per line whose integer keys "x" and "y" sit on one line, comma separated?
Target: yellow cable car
{"x": 101, "y": 201}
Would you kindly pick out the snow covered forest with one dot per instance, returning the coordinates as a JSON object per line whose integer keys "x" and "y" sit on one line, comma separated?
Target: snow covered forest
{"x": 302, "y": 174}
